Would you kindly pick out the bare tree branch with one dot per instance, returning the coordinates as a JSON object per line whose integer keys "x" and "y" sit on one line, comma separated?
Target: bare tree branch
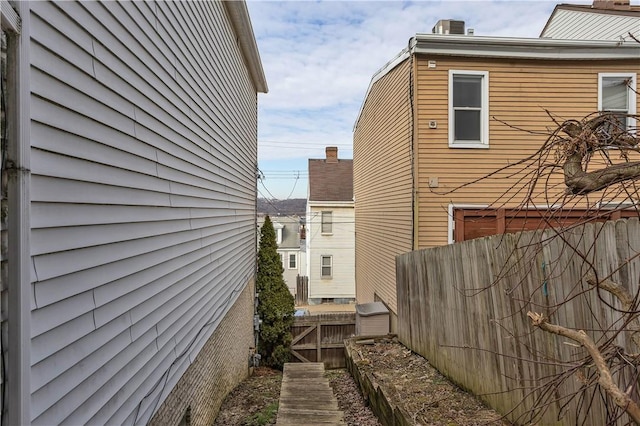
{"x": 605, "y": 379}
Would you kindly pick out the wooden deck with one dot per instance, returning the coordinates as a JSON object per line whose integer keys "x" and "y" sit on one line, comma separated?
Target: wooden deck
{"x": 306, "y": 397}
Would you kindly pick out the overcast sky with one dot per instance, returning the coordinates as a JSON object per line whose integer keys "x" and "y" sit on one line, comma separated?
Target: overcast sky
{"x": 319, "y": 57}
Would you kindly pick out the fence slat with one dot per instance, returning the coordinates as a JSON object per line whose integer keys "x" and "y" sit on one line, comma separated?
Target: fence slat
{"x": 464, "y": 306}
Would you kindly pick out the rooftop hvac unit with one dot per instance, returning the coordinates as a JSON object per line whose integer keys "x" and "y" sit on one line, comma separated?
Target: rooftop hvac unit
{"x": 449, "y": 26}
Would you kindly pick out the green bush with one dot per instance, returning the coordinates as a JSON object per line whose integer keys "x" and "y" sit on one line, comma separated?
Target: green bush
{"x": 275, "y": 302}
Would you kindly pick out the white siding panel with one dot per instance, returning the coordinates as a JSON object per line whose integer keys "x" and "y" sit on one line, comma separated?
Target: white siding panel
{"x": 61, "y": 287}
{"x": 48, "y": 368}
{"x": 122, "y": 151}
{"x": 48, "y": 240}
{"x": 136, "y": 372}
{"x": 79, "y": 102}
{"x": 92, "y": 387}
{"x": 54, "y": 339}
{"x": 52, "y": 316}
{"x": 143, "y": 200}
{"x": 64, "y": 167}
{"x": 51, "y": 215}
{"x": 53, "y": 190}
{"x": 67, "y": 262}
{"x": 150, "y": 298}
{"x": 61, "y": 34}
{"x": 47, "y": 395}
{"x": 76, "y": 124}
{"x": 171, "y": 269}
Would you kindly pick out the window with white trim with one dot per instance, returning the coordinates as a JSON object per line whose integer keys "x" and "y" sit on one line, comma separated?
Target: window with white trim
{"x": 293, "y": 261}
{"x": 326, "y": 267}
{"x": 617, "y": 94}
{"x": 281, "y": 259}
{"x": 327, "y": 222}
{"x": 468, "y": 109}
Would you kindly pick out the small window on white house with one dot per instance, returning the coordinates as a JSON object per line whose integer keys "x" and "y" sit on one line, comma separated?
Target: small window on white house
{"x": 281, "y": 259}
{"x": 293, "y": 261}
{"x": 327, "y": 223}
{"x": 326, "y": 267}
{"x": 617, "y": 94}
{"x": 468, "y": 109}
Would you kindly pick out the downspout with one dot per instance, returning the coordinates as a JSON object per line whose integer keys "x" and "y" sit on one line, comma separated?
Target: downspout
{"x": 412, "y": 148}
{"x": 17, "y": 167}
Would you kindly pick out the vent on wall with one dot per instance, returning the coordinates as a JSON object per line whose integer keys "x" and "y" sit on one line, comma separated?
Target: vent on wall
{"x": 448, "y": 26}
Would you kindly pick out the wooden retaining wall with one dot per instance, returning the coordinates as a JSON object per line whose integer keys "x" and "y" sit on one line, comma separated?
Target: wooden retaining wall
{"x": 320, "y": 338}
{"x": 463, "y": 307}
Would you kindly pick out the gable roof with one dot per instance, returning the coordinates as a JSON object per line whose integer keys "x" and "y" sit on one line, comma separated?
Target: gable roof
{"x": 570, "y": 21}
{"x": 330, "y": 180}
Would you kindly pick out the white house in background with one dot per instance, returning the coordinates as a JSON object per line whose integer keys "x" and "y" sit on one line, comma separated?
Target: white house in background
{"x": 291, "y": 247}
{"x": 603, "y": 20}
{"x": 130, "y": 192}
{"x": 331, "y": 229}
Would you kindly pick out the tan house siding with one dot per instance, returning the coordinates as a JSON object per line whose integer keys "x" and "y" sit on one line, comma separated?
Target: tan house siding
{"x": 383, "y": 185}
{"x": 519, "y": 93}
{"x": 219, "y": 366}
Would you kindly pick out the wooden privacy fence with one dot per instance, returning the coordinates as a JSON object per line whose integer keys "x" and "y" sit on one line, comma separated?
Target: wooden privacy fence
{"x": 320, "y": 338}
{"x": 463, "y": 307}
{"x": 302, "y": 290}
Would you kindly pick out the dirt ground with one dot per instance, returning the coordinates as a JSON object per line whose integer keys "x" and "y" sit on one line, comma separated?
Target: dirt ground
{"x": 407, "y": 378}
{"x": 410, "y": 382}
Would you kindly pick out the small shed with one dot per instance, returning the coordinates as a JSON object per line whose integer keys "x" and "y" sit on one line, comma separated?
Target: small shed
{"x": 372, "y": 319}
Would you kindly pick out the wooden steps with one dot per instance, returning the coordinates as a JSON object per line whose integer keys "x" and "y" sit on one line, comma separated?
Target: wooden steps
{"x": 306, "y": 397}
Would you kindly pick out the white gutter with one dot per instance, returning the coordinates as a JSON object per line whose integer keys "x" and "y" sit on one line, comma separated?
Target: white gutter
{"x": 524, "y": 48}
{"x": 239, "y": 15}
{"x": 506, "y": 47}
{"x": 18, "y": 222}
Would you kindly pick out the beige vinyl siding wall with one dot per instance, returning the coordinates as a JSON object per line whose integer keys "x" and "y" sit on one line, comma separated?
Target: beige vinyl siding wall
{"x": 519, "y": 93}
{"x": 383, "y": 185}
{"x": 143, "y": 200}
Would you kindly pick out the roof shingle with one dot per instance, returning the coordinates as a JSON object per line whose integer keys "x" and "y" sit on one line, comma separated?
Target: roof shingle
{"x": 330, "y": 180}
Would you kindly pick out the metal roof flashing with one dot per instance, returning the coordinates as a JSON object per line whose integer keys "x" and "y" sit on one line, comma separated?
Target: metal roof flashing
{"x": 506, "y": 47}
{"x": 525, "y": 48}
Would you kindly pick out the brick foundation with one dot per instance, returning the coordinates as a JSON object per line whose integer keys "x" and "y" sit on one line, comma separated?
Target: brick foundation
{"x": 222, "y": 363}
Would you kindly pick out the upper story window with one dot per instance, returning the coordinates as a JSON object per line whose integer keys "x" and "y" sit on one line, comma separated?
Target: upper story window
{"x": 468, "y": 109}
{"x": 617, "y": 94}
{"x": 293, "y": 261}
{"x": 327, "y": 222}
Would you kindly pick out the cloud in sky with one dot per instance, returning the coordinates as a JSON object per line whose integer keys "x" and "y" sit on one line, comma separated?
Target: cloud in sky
{"x": 319, "y": 57}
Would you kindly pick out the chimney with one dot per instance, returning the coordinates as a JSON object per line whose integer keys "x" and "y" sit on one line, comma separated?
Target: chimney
{"x": 332, "y": 154}
{"x": 611, "y": 4}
